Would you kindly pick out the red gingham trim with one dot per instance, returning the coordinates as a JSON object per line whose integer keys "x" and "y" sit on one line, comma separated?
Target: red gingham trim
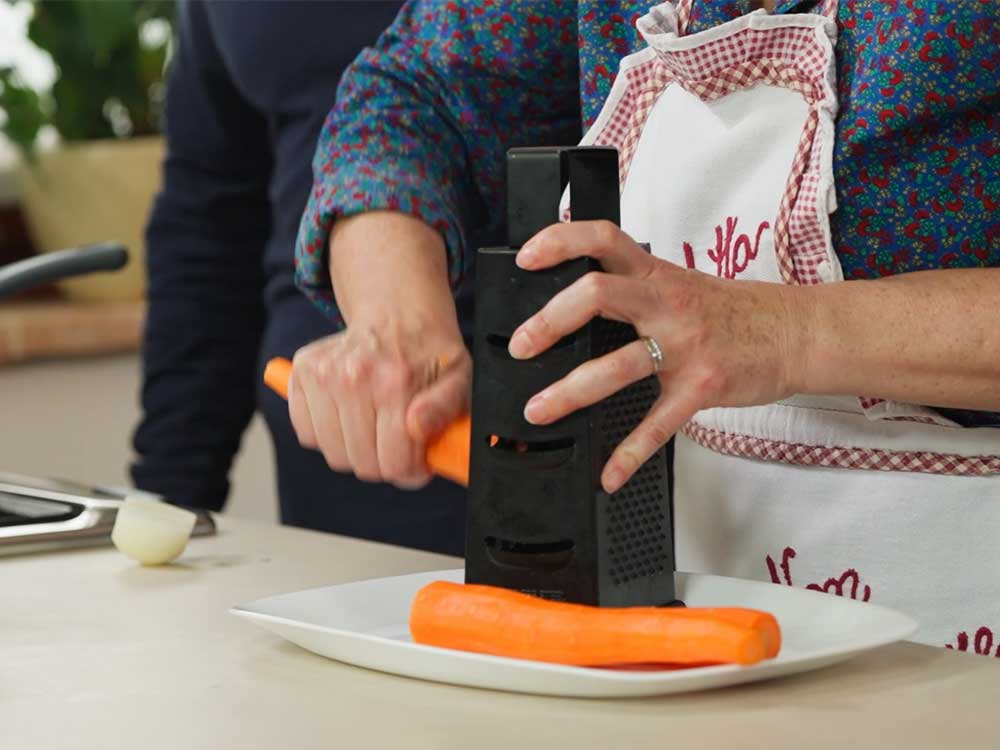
{"x": 645, "y": 83}
{"x": 793, "y": 46}
{"x": 829, "y": 9}
{"x": 799, "y": 252}
{"x": 748, "y": 73}
{"x": 841, "y": 457}
{"x": 868, "y": 403}
{"x": 784, "y": 56}
{"x": 683, "y": 16}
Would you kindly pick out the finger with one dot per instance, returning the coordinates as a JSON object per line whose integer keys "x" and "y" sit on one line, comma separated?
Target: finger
{"x": 602, "y": 240}
{"x": 399, "y": 455}
{"x": 315, "y": 394}
{"x": 668, "y": 415}
{"x": 357, "y": 418}
{"x": 441, "y": 402}
{"x": 595, "y": 295}
{"x": 299, "y": 414}
{"x": 590, "y": 382}
{"x": 358, "y": 427}
{"x": 329, "y": 433}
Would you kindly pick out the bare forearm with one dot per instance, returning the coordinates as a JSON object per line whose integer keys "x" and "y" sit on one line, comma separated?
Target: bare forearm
{"x": 928, "y": 338}
{"x": 385, "y": 263}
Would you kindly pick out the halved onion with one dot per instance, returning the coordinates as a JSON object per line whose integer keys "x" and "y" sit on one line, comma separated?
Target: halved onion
{"x": 150, "y": 531}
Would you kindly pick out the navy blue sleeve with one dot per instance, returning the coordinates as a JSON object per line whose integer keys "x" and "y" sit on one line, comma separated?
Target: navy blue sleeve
{"x": 204, "y": 244}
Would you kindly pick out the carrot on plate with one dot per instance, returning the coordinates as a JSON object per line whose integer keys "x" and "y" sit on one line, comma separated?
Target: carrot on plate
{"x": 497, "y": 621}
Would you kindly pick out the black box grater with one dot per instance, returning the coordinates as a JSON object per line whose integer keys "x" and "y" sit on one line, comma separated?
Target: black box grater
{"x": 538, "y": 520}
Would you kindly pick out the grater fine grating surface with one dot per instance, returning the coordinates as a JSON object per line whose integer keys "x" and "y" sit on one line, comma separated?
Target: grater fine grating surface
{"x": 638, "y": 537}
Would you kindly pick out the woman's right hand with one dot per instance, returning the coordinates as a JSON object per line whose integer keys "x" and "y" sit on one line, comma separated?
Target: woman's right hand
{"x": 372, "y": 397}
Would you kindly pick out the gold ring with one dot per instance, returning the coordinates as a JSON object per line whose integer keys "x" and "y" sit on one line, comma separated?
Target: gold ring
{"x": 655, "y": 353}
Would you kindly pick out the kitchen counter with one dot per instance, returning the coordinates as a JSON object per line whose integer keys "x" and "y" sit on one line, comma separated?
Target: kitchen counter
{"x": 74, "y": 418}
{"x": 55, "y": 327}
{"x": 98, "y": 652}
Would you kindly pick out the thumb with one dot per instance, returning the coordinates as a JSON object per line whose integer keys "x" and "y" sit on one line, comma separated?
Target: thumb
{"x": 440, "y": 403}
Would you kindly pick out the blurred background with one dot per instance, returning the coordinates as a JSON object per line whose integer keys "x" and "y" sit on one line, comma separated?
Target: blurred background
{"x": 81, "y": 91}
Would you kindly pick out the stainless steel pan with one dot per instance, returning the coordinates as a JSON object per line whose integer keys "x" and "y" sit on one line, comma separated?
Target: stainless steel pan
{"x": 46, "y": 514}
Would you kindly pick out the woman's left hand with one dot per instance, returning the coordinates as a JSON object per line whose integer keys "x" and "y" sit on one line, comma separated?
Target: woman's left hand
{"x": 724, "y": 343}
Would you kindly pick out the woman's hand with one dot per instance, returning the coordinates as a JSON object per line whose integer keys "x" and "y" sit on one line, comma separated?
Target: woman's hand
{"x": 724, "y": 343}
{"x": 372, "y": 397}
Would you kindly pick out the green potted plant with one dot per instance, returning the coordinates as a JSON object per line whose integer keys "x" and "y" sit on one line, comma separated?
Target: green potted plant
{"x": 99, "y": 179}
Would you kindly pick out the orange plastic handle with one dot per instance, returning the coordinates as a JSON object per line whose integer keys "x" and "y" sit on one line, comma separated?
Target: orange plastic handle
{"x": 447, "y": 454}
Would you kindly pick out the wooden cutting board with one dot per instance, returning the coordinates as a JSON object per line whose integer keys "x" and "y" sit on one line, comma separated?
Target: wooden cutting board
{"x": 58, "y": 328}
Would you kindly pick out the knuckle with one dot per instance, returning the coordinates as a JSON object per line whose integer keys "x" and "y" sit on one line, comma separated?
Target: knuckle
{"x": 398, "y": 376}
{"x": 683, "y": 297}
{"x": 657, "y": 435}
{"x": 606, "y": 233}
{"x": 541, "y": 327}
{"x": 334, "y": 459}
{"x": 628, "y": 458}
{"x": 617, "y": 369}
{"x": 404, "y": 474}
{"x": 711, "y": 382}
{"x": 595, "y": 286}
{"x": 325, "y": 374}
{"x": 395, "y": 464}
{"x": 304, "y": 361}
{"x": 698, "y": 334}
{"x": 302, "y": 434}
{"x": 367, "y": 474}
{"x": 316, "y": 351}
{"x": 355, "y": 370}
{"x": 650, "y": 270}
{"x": 550, "y": 238}
{"x": 560, "y": 397}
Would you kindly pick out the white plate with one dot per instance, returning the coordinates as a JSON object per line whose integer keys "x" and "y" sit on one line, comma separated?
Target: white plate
{"x": 365, "y": 623}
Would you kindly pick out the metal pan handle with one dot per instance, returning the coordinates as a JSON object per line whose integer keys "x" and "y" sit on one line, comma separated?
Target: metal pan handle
{"x": 49, "y": 267}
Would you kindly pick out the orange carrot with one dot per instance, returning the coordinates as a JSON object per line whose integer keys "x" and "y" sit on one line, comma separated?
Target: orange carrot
{"x": 277, "y": 374}
{"x": 497, "y": 621}
{"x": 447, "y": 454}
{"x": 763, "y": 622}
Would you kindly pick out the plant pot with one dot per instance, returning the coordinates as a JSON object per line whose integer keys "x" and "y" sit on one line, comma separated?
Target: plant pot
{"x": 79, "y": 193}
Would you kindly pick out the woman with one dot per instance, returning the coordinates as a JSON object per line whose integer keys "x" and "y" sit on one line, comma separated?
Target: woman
{"x": 795, "y": 344}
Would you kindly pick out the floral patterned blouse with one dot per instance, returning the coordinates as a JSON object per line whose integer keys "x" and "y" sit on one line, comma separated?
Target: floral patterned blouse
{"x": 423, "y": 121}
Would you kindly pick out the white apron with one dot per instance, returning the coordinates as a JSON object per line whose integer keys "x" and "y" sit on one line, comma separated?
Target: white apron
{"x": 726, "y": 146}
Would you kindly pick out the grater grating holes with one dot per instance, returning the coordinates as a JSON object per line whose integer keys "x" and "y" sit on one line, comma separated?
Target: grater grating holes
{"x": 637, "y": 537}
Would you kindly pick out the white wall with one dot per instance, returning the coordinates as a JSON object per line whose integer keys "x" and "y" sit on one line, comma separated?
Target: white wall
{"x": 73, "y": 419}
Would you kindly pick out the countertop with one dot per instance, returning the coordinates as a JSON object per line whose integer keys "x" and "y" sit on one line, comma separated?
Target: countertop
{"x": 74, "y": 419}
{"x": 55, "y": 327}
{"x": 97, "y": 652}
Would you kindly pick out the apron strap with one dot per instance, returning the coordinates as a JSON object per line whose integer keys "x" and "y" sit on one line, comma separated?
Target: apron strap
{"x": 827, "y": 8}
{"x": 683, "y": 15}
